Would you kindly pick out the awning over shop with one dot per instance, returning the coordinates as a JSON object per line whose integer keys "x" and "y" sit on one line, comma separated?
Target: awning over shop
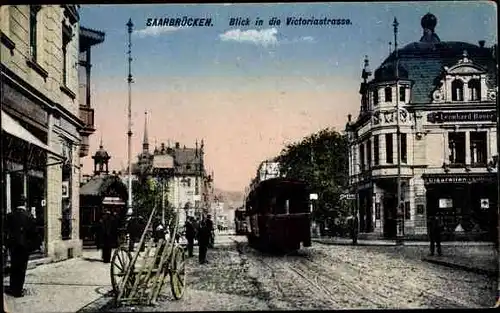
{"x": 11, "y": 126}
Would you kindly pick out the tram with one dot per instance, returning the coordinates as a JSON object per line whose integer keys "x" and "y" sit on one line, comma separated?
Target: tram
{"x": 278, "y": 213}
{"x": 240, "y": 222}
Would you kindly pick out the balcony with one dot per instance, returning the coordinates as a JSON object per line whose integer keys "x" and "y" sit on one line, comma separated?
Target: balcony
{"x": 87, "y": 117}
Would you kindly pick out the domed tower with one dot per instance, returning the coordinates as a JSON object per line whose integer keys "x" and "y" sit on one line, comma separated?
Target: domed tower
{"x": 101, "y": 159}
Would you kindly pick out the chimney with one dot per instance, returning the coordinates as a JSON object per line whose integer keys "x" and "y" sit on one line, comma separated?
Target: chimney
{"x": 481, "y": 43}
{"x": 349, "y": 117}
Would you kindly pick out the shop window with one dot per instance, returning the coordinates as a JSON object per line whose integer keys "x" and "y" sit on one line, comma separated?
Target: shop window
{"x": 368, "y": 153}
{"x": 456, "y": 145}
{"x": 33, "y": 25}
{"x": 362, "y": 156}
{"x": 376, "y": 156}
{"x": 457, "y": 90}
{"x": 474, "y": 90}
{"x": 388, "y": 94}
{"x": 66, "y": 213}
{"x": 375, "y": 97}
{"x": 404, "y": 149}
{"x": 402, "y": 93}
{"x": 389, "y": 149}
{"x": 478, "y": 144}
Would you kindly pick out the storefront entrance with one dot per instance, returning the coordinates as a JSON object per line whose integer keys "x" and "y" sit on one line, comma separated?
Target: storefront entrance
{"x": 465, "y": 204}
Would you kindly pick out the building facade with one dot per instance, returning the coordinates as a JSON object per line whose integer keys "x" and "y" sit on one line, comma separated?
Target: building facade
{"x": 446, "y": 94}
{"x": 41, "y": 119}
{"x": 188, "y": 186}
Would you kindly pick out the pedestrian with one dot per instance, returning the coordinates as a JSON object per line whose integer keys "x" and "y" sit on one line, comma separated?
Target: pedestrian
{"x": 21, "y": 240}
{"x": 108, "y": 235}
{"x": 353, "y": 225}
{"x": 135, "y": 228}
{"x": 210, "y": 228}
{"x": 204, "y": 233}
{"x": 190, "y": 234}
{"x": 435, "y": 228}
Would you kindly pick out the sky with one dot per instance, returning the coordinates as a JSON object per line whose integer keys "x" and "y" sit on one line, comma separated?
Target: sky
{"x": 248, "y": 91}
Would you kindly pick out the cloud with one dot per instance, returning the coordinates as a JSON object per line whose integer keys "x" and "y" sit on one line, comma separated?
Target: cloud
{"x": 308, "y": 39}
{"x": 263, "y": 37}
{"x": 155, "y": 31}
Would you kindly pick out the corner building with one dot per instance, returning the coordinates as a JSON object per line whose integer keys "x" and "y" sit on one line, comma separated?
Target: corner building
{"x": 446, "y": 93}
{"x": 42, "y": 120}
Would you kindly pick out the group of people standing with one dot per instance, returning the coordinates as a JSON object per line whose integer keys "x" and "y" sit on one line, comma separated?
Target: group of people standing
{"x": 203, "y": 231}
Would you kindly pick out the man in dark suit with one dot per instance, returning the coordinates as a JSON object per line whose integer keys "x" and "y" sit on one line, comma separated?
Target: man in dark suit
{"x": 435, "y": 228}
{"x": 204, "y": 233}
{"x": 21, "y": 240}
{"x": 108, "y": 235}
{"x": 190, "y": 234}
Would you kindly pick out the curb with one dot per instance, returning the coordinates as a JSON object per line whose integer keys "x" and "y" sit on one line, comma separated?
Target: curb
{"x": 462, "y": 267}
{"x": 406, "y": 243}
{"x": 101, "y": 304}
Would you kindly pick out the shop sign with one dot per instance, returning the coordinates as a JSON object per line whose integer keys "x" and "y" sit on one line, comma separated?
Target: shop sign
{"x": 65, "y": 189}
{"x": 457, "y": 179}
{"x": 452, "y": 117}
{"x": 445, "y": 203}
{"x": 485, "y": 203}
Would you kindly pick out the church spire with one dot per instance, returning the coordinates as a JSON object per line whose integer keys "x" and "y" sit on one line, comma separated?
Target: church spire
{"x": 145, "y": 143}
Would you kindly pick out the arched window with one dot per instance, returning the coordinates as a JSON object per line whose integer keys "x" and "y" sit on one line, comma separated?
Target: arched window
{"x": 457, "y": 90}
{"x": 388, "y": 94}
{"x": 474, "y": 90}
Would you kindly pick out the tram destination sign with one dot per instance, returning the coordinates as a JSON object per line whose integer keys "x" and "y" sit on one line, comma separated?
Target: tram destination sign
{"x": 444, "y": 117}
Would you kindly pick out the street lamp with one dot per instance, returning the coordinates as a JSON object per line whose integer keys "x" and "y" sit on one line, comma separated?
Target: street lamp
{"x": 130, "y": 26}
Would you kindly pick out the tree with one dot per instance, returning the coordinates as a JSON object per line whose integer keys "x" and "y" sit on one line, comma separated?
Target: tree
{"x": 321, "y": 160}
{"x": 146, "y": 195}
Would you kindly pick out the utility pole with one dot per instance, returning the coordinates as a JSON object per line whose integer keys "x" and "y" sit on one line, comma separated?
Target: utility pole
{"x": 130, "y": 26}
{"x": 400, "y": 209}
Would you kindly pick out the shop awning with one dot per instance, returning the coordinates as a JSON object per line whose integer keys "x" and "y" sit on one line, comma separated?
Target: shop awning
{"x": 11, "y": 126}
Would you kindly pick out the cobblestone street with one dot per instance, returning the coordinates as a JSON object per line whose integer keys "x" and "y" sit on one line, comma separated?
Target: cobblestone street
{"x": 326, "y": 277}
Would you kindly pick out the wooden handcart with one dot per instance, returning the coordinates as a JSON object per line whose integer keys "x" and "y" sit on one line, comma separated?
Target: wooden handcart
{"x": 138, "y": 278}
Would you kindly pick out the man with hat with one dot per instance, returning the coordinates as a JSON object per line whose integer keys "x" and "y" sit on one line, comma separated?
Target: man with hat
{"x": 21, "y": 239}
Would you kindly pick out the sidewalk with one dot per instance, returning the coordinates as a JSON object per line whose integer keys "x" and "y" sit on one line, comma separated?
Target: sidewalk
{"x": 65, "y": 286}
{"x": 477, "y": 257}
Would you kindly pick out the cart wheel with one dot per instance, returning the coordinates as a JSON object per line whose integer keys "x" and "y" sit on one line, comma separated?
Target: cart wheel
{"x": 121, "y": 260}
{"x": 178, "y": 273}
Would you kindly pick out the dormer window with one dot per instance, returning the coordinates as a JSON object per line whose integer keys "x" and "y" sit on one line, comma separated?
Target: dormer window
{"x": 388, "y": 94}
{"x": 474, "y": 90}
{"x": 375, "y": 97}
{"x": 402, "y": 93}
{"x": 457, "y": 90}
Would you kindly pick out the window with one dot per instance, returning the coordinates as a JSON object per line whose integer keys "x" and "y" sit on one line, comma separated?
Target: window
{"x": 362, "y": 156}
{"x": 478, "y": 148}
{"x": 457, "y": 90}
{"x": 456, "y": 145}
{"x": 34, "y": 9}
{"x": 369, "y": 153}
{"x": 420, "y": 209}
{"x": 402, "y": 93}
{"x": 66, "y": 39}
{"x": 404, "y": 150}
{"x": 388, "y": 94}
{"x": 389, "y": 149}
{"x": 474, "y": 90}
{"x": 407, "y": 211}
{"x": 376, "y": 157}
{"x": 375, "y": 97}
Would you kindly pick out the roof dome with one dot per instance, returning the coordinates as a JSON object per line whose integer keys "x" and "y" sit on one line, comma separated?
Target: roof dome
{"x": 421, "y": 62}
{"x": 428, "y": 21}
